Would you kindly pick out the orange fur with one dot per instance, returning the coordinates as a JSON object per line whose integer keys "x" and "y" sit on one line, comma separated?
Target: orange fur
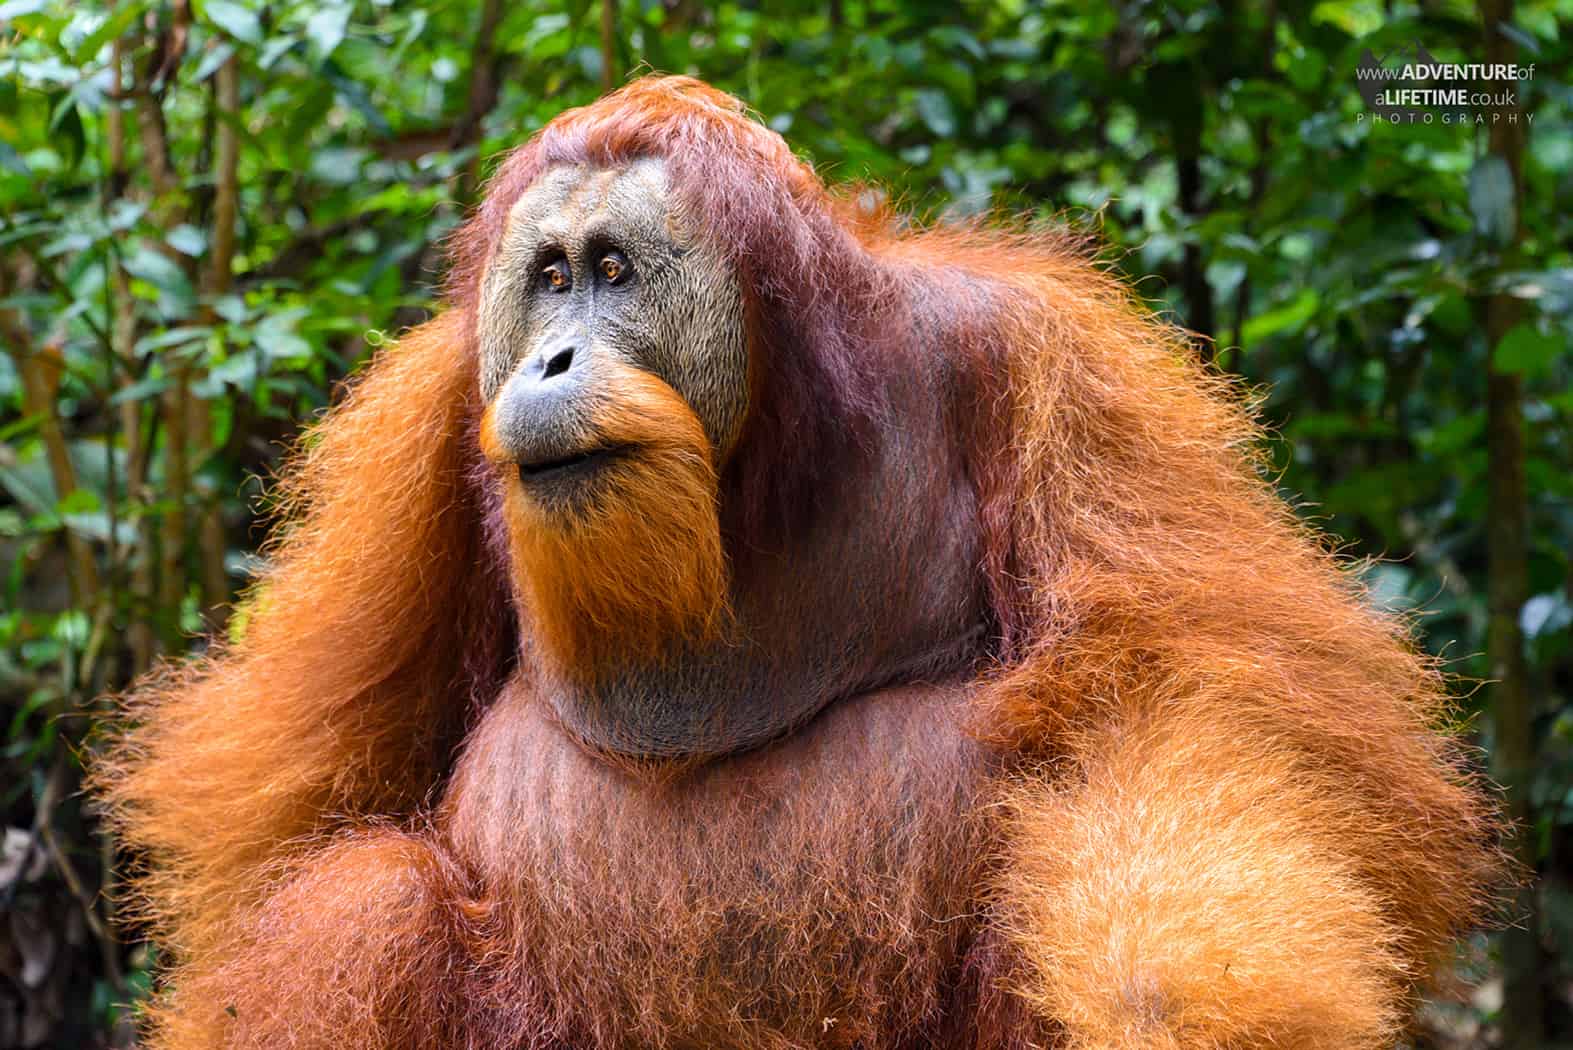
{"x": 1164, "y": 593}
{"x": 1163, "y": 587}
{"x": 349, "y": 683}
{"x": 1217, "y": 808}
{"x": 645, "y": 568}
{"x": 1186, "y": 888}
{"x": 771, "y": 902}
{"x": 373, "y": 902}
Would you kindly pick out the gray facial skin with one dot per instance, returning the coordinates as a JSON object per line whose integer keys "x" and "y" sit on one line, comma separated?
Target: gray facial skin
{"x": 674, "y": 310}
{"x": 839, "y": 608}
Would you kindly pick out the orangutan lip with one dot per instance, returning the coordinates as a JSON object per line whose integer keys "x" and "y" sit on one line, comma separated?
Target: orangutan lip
{"x": 579, "y": 463}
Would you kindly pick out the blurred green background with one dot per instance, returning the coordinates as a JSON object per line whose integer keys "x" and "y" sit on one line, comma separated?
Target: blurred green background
{"x": 212, "y": 212}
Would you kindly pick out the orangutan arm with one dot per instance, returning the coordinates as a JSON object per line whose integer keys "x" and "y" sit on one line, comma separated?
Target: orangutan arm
{"x": 352, "y": 668}
{"x": 1198, "y": 890}
{"x": 357, "y": 951}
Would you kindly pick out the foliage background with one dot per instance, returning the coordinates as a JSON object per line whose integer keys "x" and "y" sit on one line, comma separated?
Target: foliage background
{"x": 212, "y": 211}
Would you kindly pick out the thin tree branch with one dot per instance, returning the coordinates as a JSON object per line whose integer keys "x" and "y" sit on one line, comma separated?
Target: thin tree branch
{"x": 39, "y": 370}
{"x": 610, "y": 73}
{"x": 226, "y": 205}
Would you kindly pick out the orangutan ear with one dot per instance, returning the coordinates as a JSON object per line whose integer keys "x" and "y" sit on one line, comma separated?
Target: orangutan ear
{"x": 380, "y": 624}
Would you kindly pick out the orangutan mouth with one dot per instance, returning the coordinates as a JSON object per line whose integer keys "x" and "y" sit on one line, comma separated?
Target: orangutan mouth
{"x": 579, "y": 464}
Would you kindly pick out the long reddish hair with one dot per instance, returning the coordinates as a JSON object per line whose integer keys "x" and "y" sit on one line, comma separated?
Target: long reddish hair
{"x": 1135, "y": 554}
{"x": 1140, "y": 569}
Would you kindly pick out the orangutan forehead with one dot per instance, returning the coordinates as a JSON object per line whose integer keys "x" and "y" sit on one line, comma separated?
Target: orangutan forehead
{"x": 570, "y": 204}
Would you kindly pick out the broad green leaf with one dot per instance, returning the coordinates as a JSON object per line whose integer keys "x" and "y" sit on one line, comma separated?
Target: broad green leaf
{"x": 66, "y": 124}
{"x": 175, "y": 294}
{"x": 1355, "y": 17}
{"x": 173, "y": 337}
{"x": 1527, "y": 350}
{"x": 278, "y": 336}
{"x": 1284, "y": 320}
{"x": 354, "y": 93}
{"x": 11, "y": 10}
{"x": 124, "y": 214}
{"x": 418, "y": 19}
{"x": 187, "y": 239}
{"x": 1545, "y": 613}
{"x": 238, "y": 370}
{"x": 936, "y": 111}
{"x": 1491, "y": 199}
{"x": 231, "y": 308}
{"x": 119, "y": 20}
{"x": 78, "y": 501}
{"x": 234, "y": 19}
{"x": 212, "y": 60}
{"x": 275, "y": 49}
{"x": 326, "y": 28}
{"x": 141, "y": 390}
{"x": 72, "y": 627}
{"x": 154, "y": 267}
{"x": 12, "y": 160}
{"x": 340, "y": 166}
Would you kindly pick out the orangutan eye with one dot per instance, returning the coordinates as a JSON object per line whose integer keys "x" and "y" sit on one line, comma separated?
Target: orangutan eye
{"x": 556, "y": 276}
{"x": 614, "y": 267}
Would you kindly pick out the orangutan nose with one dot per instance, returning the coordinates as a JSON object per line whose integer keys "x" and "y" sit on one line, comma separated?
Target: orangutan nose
{"x": 549, "y": 364}
{"x": 544, "y": 409}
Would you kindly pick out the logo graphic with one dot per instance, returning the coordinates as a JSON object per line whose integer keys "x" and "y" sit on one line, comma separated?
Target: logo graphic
{"x": 1409, "y": 85}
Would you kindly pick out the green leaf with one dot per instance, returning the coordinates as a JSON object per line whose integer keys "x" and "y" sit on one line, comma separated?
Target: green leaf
{"x": 119, "y": 20}
{"x": 1526, "y": 350}
{"x": 231, "y": 308}
{"x": 123, "y": 215}
{"x": 11, "y": 160}
{"x": 78, "y": 501}
{"x": 276, "y": 49}
{"x": 1357, "y": 18}
{"x": 355, "y": 95}
{"x": 141, "y": 390}
{"x": 176, "y": 296}
{"x": 14, "y": 9}
{"x": 154, "y": 267}
{"x": 1285, "y": 320}
{"x": 1524, "y": 40}
{"x": 1491, "y": 199}
{"x": 935, "y": 109}
{"x": 417, "y": 26}
{"x": 28, "y": 481}
{"x": 1545, "y": 613}
{"x": 237, "y": 21}
{"x": 277, "y": 335}
{"x": 589, "y": 60}
{"x": 187, "y": 239}
{"x": 239, "y": 370}
{"x": 337, "y": 165}
{"x": 552, "y": 28}
{"x": 72, "y": 628}
{"x": 173, "y": 337}
{"x": 211, "y": 61}
{"x": 326, "y": 27}
{"x": 67, "y": 121}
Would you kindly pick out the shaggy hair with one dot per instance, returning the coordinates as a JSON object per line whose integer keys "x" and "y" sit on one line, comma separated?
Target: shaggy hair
{"x": 1191, "y": 792}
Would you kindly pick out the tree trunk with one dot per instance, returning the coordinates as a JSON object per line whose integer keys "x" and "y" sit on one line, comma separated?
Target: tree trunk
{"x": 211, "y": 540}
{"x": 1507, "y": 537}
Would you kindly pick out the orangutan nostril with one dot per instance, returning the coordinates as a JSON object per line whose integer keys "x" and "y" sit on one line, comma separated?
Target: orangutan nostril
{"x": 558, "y": 363}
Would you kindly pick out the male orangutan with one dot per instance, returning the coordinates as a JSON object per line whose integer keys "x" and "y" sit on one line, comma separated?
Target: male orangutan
{"x": 746, "y": 620}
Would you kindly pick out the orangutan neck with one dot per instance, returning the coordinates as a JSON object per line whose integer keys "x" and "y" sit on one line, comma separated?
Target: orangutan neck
{"x": 848, "y": 606}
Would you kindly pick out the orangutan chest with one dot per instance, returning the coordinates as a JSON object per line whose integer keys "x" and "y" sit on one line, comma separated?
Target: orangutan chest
{"x": 805, "y": 894}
